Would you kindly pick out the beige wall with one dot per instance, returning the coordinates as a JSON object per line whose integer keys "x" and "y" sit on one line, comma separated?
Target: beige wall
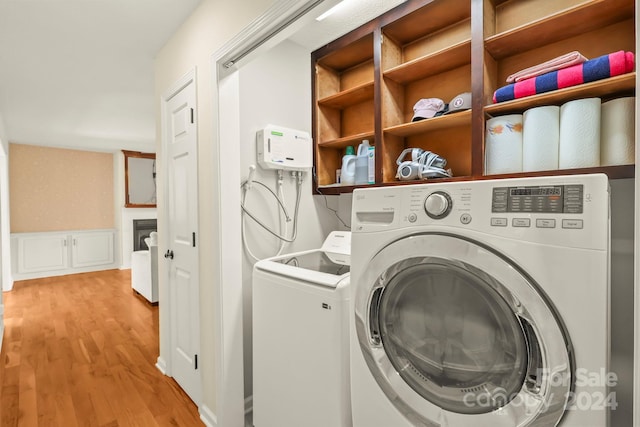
{"x": 54, "y": 189}
{"x": 213, "y": 24}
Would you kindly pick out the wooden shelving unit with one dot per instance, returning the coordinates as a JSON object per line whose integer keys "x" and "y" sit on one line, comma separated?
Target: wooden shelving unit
{"x": 366, "y": 83}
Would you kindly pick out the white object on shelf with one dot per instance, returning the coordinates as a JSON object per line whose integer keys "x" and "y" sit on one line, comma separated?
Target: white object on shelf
{"x": 362, "y": 163}
{"x": 504, "y": 144}
{"x": 617, "y": 132}
{"x": 580, "y": 134}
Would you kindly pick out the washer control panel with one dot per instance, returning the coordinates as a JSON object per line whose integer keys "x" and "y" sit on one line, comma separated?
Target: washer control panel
{"x": 551, "y": 199}
{"x": 562, "y": 210}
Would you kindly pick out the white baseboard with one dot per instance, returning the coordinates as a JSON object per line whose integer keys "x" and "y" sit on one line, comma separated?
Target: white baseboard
{"x": 161, "y": 365}
{"x": 207, "y": 416}
{"x": 7, "y": 285}
{"x": 67, "y": 271}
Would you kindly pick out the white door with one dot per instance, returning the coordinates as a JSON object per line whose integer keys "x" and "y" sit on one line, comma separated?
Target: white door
{"x": 182, "y": 252}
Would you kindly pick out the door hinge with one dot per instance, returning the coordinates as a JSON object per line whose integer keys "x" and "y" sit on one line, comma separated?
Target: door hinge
{"x": 193, "y": 239}
{"x": 192, "y": 115}
{"x": 196, "y": 361}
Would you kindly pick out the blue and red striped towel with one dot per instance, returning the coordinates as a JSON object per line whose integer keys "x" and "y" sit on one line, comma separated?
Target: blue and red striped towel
{"x": 613, "y": 64}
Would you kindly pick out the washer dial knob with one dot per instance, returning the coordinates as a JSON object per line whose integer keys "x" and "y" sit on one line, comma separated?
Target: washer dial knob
{"x": 438, "y": 204}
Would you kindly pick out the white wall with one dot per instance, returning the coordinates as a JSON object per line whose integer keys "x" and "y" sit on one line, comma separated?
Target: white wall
{"x": 5, "y": 223}
{"x": 6, "y": 280}
{"x": 275, "y": 88}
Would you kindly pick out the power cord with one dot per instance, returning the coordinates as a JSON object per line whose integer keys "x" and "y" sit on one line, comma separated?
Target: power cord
{"x": 326, "y": 202}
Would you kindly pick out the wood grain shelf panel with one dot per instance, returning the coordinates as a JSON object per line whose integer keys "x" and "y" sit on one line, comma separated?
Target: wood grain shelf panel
{"x": 624, "y": 84}
{"x": 613, "y": 172}
{"x": 347, "y": 140}
{"x": 429, "y": 125}
{"x": 335, "y": 189}
{"x": 431, "y": 18}
{"x": 349, "y": 56}
{"x": 348, "y": 97}
{"x": 567, "y": 23}
{"x": 438, "y": 62}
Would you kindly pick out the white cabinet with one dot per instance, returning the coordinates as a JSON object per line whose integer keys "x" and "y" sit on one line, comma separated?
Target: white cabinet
{"x": 42, "y": 253}
{"x": 90, "y": 249}
{"x": 56, "y": 253}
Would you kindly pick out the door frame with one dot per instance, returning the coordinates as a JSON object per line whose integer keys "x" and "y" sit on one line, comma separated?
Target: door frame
{"x": 277, "y": 23}
{"x": 164, "y": 296}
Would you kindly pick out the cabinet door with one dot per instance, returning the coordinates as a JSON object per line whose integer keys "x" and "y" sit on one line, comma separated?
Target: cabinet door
{"x": 42, "y": 253}
{"x": 89, "y": 249}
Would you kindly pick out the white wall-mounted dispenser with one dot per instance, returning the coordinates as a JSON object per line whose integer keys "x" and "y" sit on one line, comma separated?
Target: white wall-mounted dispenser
{"x": 282, "y": 148}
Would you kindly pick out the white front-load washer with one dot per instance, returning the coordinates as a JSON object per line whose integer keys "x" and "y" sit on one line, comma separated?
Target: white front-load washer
{"x": 482, "y": 304}
{"x": 301, "y": 337}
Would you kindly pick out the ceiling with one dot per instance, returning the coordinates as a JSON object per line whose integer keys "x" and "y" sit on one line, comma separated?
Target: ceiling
{"x": 79, "y": 73}
{"x": 348, "y": 15}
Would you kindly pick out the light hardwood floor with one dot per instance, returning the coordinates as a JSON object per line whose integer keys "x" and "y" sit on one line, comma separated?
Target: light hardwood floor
{"x": 80, "y": 350}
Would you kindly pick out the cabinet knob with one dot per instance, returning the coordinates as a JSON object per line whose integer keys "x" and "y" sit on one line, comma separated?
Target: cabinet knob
{"x": 169, "y": 254}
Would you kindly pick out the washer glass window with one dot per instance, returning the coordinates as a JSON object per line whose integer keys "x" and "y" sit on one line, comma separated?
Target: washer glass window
{"x": 452, "y": 336}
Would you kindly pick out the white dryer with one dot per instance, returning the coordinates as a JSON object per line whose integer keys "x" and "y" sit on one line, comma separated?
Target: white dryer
{"x": 301, "y": 337}
{"x": 482, "y": 304}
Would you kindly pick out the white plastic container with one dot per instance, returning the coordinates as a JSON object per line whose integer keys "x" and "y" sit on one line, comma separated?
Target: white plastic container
{"x": 348, "y": 169}
{"x": 362, "y": 163}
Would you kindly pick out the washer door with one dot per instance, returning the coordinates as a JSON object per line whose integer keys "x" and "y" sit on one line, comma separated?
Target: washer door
{"x": 455, "y": 334}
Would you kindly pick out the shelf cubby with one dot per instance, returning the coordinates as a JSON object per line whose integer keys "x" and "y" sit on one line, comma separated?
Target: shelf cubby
{"x": 524, "y": 25}
{"x": 344, "y": 111}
